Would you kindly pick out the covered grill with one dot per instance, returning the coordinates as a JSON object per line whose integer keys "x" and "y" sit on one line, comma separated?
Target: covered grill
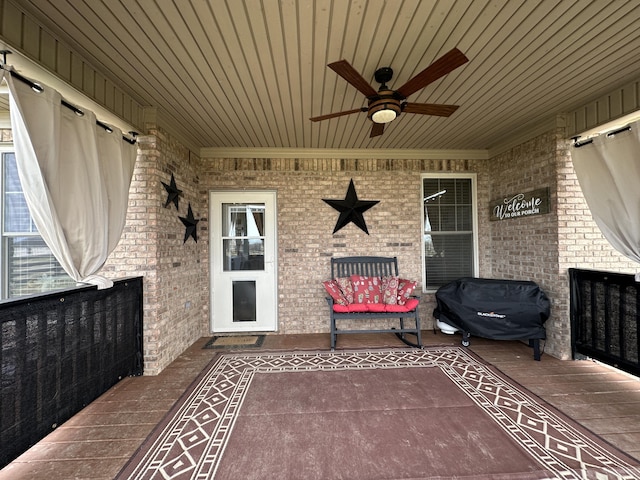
{"x": 494, "y": 309}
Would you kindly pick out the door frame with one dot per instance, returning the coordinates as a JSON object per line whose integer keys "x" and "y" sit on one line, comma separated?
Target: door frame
{"x": 216, "y": 249}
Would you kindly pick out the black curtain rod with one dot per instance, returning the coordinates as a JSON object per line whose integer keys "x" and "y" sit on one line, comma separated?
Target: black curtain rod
{"x": 582, "y": 144}
{"x": 612, "y": 133}
{"x": 38, "y": 88}
{"x": 619, "y": 130}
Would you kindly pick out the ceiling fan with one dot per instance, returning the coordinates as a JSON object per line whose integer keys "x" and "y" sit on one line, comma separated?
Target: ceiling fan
{"x": 386, "y": 104}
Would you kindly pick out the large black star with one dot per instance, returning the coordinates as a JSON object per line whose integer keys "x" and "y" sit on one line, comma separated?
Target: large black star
{"x": 190, "y": 224}
{"x": 351, "y": 209}
{"x": 173, "y": 194}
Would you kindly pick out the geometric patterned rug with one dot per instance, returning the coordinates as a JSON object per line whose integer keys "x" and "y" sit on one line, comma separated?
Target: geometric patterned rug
{"x": 435, "y": 413}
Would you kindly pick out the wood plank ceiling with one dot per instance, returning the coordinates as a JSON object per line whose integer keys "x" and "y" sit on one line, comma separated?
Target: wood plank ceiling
{"x": 231, "y": 73}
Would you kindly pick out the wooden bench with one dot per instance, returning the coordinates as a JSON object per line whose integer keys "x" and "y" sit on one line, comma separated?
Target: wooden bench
{"x": 372, "y": 267}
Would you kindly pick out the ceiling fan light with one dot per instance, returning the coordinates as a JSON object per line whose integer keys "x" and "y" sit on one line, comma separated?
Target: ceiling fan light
{"x": 385, "y": 115}
{"x": 384, "y": 109}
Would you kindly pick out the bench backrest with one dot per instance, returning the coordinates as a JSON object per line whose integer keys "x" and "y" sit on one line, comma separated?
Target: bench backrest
{"x": 366, "y": 266}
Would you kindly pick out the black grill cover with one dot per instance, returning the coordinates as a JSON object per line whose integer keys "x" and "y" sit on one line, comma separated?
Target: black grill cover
{"x": 494, "y": 309}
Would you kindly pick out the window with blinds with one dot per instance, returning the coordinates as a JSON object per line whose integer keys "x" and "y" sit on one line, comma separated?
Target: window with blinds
{"x": 449, "y": 229}
{"x": 27, "y": 264}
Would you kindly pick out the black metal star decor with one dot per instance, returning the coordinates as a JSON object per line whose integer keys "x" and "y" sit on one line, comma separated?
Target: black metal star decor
{"x": 351, "y": 209}
{"x": 190, "y": 224}
{"x": 173, "y": 194}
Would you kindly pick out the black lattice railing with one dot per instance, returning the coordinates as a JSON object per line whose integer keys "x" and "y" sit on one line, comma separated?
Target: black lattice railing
{"x": 604, "y": 317}
{"x": 59, "y": 352}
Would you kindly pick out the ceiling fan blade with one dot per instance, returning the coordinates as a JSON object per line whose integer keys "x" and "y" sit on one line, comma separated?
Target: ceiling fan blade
{"x": 376, "y": 130}
{"x": 350, "y": 74}
{"x": 337, "y": 114}
{"x": 445, "y": 64}
{"x": 429, "y": 109}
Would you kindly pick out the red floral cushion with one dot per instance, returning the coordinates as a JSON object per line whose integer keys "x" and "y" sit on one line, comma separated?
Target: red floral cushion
{"x": 410, "y": 305}
{"x": 405, "y": 289}
{"x": 345, "y": 286}
{"x": 366, "y": 289}
{"x": 333, "y": 289}
{"x": 390, "y": 290}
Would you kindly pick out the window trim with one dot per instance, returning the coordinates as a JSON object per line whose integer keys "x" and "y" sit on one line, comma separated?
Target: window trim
{"x": 474, "y": 214}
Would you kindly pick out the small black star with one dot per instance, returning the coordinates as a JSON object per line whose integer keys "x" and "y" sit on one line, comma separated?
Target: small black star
{"x": 190, "y": 224}
{"x": 173, "y": 194}
{"x": 351, "y": 209}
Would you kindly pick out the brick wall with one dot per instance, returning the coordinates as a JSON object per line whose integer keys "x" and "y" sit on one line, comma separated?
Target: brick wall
{"x": 527, "y": 248}
{"x": 542, "y": 248}
{"x": 305, "y": 222}
{"x": 175, "y": 272}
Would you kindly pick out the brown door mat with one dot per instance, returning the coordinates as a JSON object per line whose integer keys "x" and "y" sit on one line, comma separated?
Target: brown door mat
{"x": 235, "y": 341}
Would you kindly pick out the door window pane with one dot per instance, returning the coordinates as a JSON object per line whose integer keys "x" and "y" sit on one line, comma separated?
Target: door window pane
{"x": 243, "y": 236}
{"x": 243, "y": 254}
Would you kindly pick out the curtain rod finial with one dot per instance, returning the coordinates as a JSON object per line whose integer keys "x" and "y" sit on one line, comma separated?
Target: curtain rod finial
{"x": 4, "y": 54}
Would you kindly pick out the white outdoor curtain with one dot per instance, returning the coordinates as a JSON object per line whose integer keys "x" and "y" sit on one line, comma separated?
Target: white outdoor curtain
{"x": 75, "y": 177}
{"x": 608, "y": 170}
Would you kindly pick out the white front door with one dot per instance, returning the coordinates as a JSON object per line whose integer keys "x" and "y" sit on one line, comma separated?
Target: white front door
{"x": 243, "y": 261}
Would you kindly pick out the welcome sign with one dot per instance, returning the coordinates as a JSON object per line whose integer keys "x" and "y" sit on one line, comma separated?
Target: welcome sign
{"x": 521, "y": 205}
